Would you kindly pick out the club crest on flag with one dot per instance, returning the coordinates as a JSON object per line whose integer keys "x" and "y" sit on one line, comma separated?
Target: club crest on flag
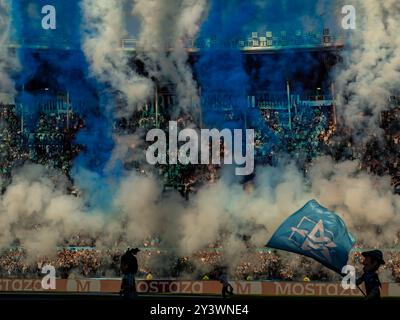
{"x": 312, "y": 236}
{"x": 315, "y": 232}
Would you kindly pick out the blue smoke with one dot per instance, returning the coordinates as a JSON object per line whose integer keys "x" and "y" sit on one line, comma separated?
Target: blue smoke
{"x": 53, "y": 60}
{"x": 220, "y": 70}
{"x": 27, "y": 18}
{"x": 222, "y": 67}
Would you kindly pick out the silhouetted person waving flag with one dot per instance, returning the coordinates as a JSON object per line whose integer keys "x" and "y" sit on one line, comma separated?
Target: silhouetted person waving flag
{"x": 129, "y": 268}
{"x": 227, "y": 289}
{"x": 372, "y": 261}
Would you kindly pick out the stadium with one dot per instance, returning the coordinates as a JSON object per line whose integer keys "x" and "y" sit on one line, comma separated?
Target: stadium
{"x": 78, "y": 99}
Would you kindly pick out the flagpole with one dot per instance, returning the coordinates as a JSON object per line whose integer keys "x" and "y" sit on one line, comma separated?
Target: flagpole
{"x": 361, "y": 291}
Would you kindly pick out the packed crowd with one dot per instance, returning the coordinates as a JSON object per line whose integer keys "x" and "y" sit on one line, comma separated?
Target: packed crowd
{"x": 11, "y": 141}
{"x": 312, "y": 132}
{"x": 376, "y": 156}
{"x": 306, "y": 138}
{"x": 49, "y": 141}
{"x": 155, "y": 263}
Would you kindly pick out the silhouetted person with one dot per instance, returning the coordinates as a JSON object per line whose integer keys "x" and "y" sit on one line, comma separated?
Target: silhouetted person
{"x": 227, "y": 289}
{"x": 372, "y": 261}
{"x": 129, "y": 268}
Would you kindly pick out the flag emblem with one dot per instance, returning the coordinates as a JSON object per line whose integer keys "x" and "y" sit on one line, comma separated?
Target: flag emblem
{"x": 312, "y": 236}
{"x": 315, "y": 232}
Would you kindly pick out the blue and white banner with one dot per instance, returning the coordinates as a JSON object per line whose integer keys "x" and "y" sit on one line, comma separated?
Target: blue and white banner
{"x": 315, "y": 232}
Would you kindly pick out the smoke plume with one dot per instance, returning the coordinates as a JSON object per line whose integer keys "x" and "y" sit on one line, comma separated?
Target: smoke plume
{"x": 369, "y": 74}
{"x": 167, "y": 27}
{"x": 104, "y": 30}
{"x": 8, "y": 62}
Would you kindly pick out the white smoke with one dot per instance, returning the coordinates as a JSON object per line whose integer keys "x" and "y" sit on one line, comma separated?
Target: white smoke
{"x": 8, "y": 62}
{"x": 166, "y": 29}
{"x": 370, "y": 74}
{"x": 104, "y": 30}
{"x": 365, "y": 202}
{"x": 36, "y": 212}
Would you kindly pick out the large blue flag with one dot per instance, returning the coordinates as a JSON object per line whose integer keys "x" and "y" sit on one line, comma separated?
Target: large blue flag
{"x": 315, "y": 232}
